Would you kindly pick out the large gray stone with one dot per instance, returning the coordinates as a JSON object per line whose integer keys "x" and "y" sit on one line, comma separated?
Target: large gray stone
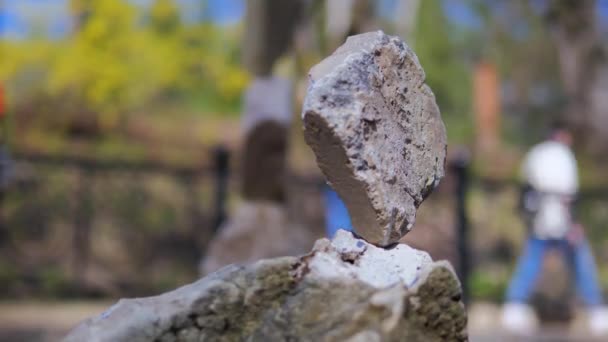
{"x": 256, "y": 230}
{"x": 377, "y": 133}
{"x": 344, "y": 290}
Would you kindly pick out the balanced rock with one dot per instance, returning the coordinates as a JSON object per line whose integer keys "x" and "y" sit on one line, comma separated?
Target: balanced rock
{"x": 377, "y": 133}
{"x": 344, "y": 290}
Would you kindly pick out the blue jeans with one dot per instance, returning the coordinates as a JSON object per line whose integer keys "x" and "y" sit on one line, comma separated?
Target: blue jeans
{"x": 336, "y": 214}
{"x": 530, "y": 263}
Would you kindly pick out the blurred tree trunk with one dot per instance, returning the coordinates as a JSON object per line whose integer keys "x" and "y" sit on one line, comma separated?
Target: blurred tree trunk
{"x": 346, "y": 18}
{"x": 584, "y": 69}
{"x": 340, "y": 12}
{"x": 362, "y": 17}
{"x": 269, "y": 33}
{"x": 259, "y": 227}
{"x": 270, "y": 25}
{"x": 405, "y": 19}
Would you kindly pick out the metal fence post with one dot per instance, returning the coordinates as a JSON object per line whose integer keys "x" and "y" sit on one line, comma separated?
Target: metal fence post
{"x": 5, "y": 176}
{"x": 81, "y": 240}
{"x": 460, "y": 167}
{"x": 5, "y": 162}
{"x": 189, "y": 182}
{"x": 221, "y": 159}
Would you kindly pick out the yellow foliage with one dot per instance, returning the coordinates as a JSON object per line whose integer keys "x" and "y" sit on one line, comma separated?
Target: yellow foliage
{"x": 114, "y": 64}
{"x": 164, "y": 16}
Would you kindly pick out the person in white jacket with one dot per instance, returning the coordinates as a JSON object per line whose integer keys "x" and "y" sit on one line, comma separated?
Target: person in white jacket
{"x": 551, "y": 184}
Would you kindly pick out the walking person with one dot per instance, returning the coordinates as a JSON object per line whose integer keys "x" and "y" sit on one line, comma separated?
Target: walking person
{"x": 551, "y": 185}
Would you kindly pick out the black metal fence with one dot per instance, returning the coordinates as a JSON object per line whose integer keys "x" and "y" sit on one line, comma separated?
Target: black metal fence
{"x": 72, "y": 225}
{"x": 58, "y": 211}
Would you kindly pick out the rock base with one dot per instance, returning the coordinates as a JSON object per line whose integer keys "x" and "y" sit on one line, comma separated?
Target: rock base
{"x": 298, "y": 299}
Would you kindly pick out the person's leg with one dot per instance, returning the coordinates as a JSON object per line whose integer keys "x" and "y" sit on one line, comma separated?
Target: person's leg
{"x": 527, "y": 270}
{"x": 587, "y": 285}
{"x": 585, "y": 273}
{"x": 517, "y": 316}
{"x": 336, "y": 214}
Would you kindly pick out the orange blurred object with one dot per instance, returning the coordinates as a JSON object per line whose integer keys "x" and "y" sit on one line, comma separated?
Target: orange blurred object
{"x": 486, "y": 102}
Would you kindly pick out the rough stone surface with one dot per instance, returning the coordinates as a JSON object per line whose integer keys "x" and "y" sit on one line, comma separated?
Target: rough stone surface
{"x": 377, "y": 133}
{"x": 256, "y": 230}
{"x": 376, "y": 266}
{"x": 297, "y": 299}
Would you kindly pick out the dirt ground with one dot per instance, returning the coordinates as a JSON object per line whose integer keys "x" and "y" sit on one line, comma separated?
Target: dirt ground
{"x": 50, "y": 321}
{"x": 484, "y": 326}
{"x": 43, "y": 321}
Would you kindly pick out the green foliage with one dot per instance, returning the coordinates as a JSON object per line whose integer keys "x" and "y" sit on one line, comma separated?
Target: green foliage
{"x": 445, "y": 71}
{"x": 115, "y": 63}
{"x": 514, "y": 36}
{"x": 8, "y": 273}
{"x": 54, "y": 281}
{"x": 488, "y": 286}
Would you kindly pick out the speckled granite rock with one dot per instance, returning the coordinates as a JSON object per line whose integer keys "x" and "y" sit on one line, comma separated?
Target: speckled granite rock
{"x": 376, "y": 132}
{"x": 373, "y": 294}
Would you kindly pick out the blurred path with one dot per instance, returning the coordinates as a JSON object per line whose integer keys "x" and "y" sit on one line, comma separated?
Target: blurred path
{"x": 484, "y": 326}
{"x": 50, "y": 321}
{"x": 43, "y": 321}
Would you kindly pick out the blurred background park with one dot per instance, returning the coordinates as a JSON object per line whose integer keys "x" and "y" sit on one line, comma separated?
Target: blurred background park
{"x": 123, "y": 144}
